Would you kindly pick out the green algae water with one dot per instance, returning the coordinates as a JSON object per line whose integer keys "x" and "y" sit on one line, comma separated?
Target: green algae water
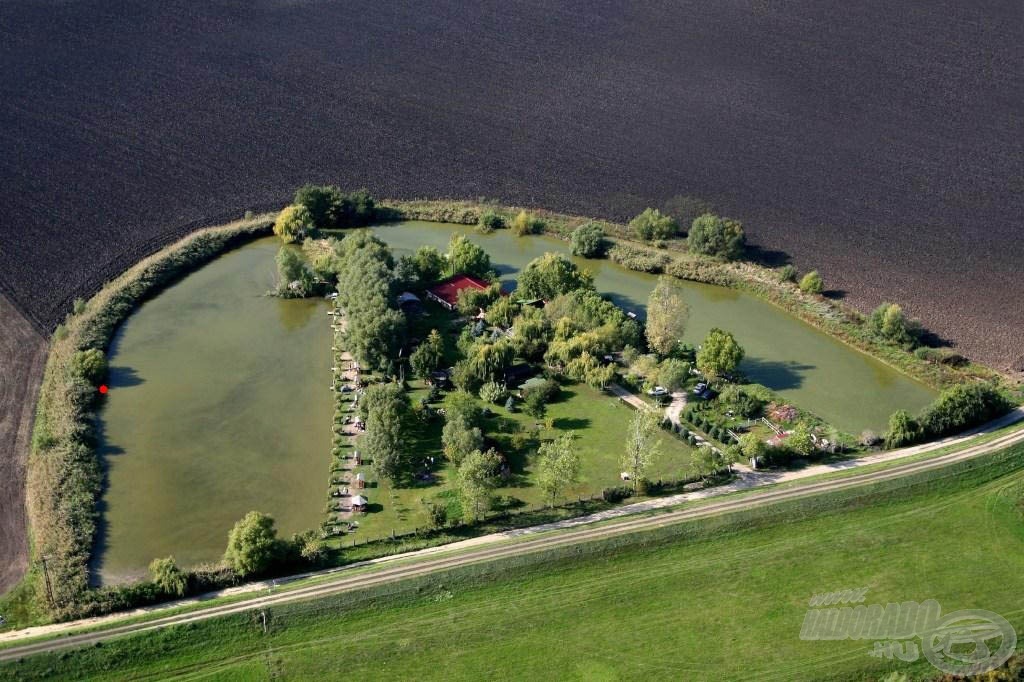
{"x": 219, "y": 404}
{"x": 839, "y": 383}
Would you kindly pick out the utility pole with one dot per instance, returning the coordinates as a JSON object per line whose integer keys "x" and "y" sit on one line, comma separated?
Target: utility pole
{"x": 46, "y": 575}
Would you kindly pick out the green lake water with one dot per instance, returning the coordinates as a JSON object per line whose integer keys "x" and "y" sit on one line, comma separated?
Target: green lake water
{"x": 839, "y": 383}
{"x": 219, "y": 404}
{"x": 219, "y": 400}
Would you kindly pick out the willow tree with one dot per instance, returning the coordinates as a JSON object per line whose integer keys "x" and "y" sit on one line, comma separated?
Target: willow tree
{"x": 667, "y": 315}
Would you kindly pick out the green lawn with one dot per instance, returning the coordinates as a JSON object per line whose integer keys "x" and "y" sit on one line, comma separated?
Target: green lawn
{"x": 599, "y": 422}
{"x": 725, "y": 601}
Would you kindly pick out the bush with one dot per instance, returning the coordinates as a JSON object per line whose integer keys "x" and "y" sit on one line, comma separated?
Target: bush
{"x": 711, "y": 235}
{"x": 588, "y": 241}
{"x": 787, "y": 273}
{"x": 489, "y": 222}
{"x": 293, "y": 224}
{"x": 962, "y": 407}
{"x": 526, "y": 223}
{"x": 652, "y": 224}
{"x": 89, "y": 365}
{"x": 812, "y": 283}
{"x": 492, "y": 392}
{"x": 641, "y": 260}
{"x": 616, "y": 494}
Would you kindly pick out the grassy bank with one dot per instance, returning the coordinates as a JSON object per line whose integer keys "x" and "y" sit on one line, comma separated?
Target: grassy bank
{"x": 722, "y": 597}
{"x": 64, "y": 474}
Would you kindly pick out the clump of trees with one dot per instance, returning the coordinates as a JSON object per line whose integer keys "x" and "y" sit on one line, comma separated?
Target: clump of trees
{"x": 713, "y": 235}
{"x": 720, "y": 354}
{"x": 295, "y": 278}
{"x": 812, "y": 283}
{"x": 428, "y": 356}
{"x": 551, "y": 275}
{"x": 376, "y": 329}
{"x": 387, "y": 414}
{"x": 588, "y": 240}
{"x": 667, "y": 314}
{"x": 329, "y": 208}
{"x": 461, "y": 434}
{"x": 653, "y": 224}
{"x": 466, "y": 257}
{"x": 957, "y": 408}
{"x": 421, "y": 269}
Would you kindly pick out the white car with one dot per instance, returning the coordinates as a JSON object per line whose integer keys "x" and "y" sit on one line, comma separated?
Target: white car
{"x": 658, "y": 391}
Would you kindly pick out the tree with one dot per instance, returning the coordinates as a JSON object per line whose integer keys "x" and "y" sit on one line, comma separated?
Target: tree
{"x": 673, "y": 373}
{"x": 667, "y": 314}
{"x": 801, "y": 441}
{"x": 600, "y": 377}
{"x": 311, "y": 547}
{"x": 428, "y": 356}
{"x": 889, "y": 322}
{"x": 252, "y": 544}
{"x": 168, "y": 577}
{"x": 706, "y": 461}
{"x": 558, "y": 466}
{"x": 641, "y": 445}
{"x": 812, "y": 283}
{"x": 739, "y": 401}
{"x": 90, "y": 365}
{"x": 550, "y": 275}
{"x": 429, "y": 263}
{"x": 711, "y": 235}
{"x": 753, "y": 447}
{"x": 502, "y": 312}
{"x": 962, "y": 406}
{"x": 652, "y": 224}
{"x": 437, "y": 513}
{"x": 322, "y": 202}
{"x": 493, "y": 392}
{"x": 471, "y": 301}
{"x": 535, "y": 404}
{"x": 384, "y": 441}
{"x": 903, "y": 430}
{"x": 459, "y": 438}
{"x": 292, "y": 269}
{"x": 476, "y": 477}
{"x": 719, "y": 354}
{"x": 466, "y": 257}
{"x": 293, "y": 223}
{"x": 588, "y": 241}
{"x": 526, "y": 223}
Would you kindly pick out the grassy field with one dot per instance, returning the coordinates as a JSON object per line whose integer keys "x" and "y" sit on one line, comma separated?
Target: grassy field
{"x": 599, "y": 422}
{"x": 725, "y": 603}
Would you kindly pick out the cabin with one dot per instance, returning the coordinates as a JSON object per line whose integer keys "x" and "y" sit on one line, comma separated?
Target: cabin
{"x": 409, "y": 302}
{"x": 447, "y": 291}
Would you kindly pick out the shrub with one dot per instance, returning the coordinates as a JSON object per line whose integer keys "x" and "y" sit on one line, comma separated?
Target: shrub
{"x": 711, "y": 235}
{"x": 293, "y": 223}
{"x": 526, "y": 223}
{"x": 89, "y": 365}
{"x": 588, "y": 241}
{"x": 492, "y": 392}
{"x": 903, "y": 430}
{"x": 652, "y": 224}
{"x": 641, "y": 260}
{"x": 787, "y": 273}
{"x": 489, "y": 222}
{"x": 551, "y": 275}
{"x": 616, "y": 494}
{"x": 812, "y": 283}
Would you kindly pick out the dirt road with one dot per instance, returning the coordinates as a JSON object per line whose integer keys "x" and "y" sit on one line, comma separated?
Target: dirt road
{"x": 22, "y": 358}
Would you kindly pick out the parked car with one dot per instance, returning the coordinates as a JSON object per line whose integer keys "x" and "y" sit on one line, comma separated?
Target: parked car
{"x": 658, "y": 391}
{"x": 700, "y": 388}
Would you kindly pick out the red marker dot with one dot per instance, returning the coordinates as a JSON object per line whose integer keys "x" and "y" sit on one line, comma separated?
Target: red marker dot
{"x": 103, "y": 389}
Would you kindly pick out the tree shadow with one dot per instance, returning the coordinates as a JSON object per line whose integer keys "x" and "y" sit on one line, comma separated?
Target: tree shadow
{"x": 123, "y": 377}
{"x": 771, "y": 258}
{"x": 834, "y": 294}
{"x": 572, "y": 423}
{"x": 778, "y": 375}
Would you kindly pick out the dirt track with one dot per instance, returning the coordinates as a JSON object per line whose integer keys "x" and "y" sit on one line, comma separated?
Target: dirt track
{"x": 22, "y": 357}
{"x": 880, "y": 142}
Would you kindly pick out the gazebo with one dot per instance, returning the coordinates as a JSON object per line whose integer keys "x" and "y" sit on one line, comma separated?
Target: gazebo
{"x": 359, "y": 504}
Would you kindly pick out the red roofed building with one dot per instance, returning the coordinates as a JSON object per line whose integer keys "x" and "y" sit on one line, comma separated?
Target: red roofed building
{"x": 447, "y": 292}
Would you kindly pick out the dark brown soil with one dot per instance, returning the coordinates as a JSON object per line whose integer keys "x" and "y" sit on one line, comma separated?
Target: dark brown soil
{"x": 22, "y": 357}
{"x": 878, "y": 141}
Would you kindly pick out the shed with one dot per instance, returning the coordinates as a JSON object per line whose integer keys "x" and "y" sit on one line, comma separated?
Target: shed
{"x": 359, "y": 503}
{"x": 360, "y": 480}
